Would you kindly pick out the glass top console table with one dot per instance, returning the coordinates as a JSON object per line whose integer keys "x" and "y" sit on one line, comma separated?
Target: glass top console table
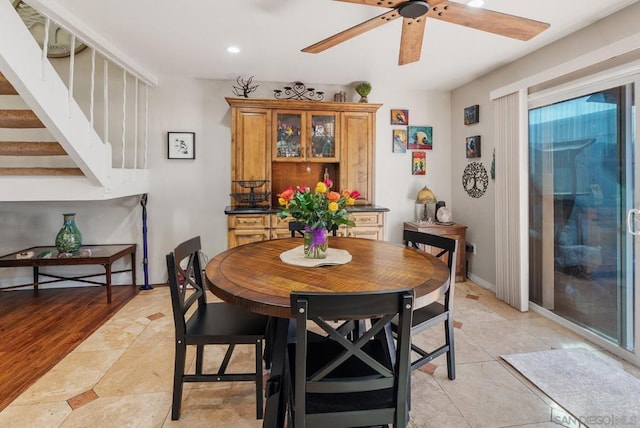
{"x": 105, "y": 255}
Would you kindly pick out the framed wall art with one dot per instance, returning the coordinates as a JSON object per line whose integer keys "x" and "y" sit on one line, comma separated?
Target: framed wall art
{"x": 472, "y": 115}
{"x": 473, "y": 147}
{"x": 399, "y": 141}
{"x": 418, "y": 163}
{"x": 420, "y": 137}
{"x": 181, "y": 145}
{"x": 399, "y": 117}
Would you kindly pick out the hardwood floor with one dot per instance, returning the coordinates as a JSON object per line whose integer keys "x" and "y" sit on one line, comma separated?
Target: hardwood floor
{"x": 37, "y": 331}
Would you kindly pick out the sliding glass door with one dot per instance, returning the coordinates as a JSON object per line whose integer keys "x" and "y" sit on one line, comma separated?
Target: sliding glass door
{"x": 582, "y": 185}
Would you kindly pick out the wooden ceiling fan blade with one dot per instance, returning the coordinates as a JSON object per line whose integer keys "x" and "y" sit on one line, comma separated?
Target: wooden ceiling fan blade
{"x": 379, "y": 3}
{"x": 499, "y": 23}
{"x": 352, "y": 32}
{"x": 411, "y": 41}
{"x": 387, "y": 3}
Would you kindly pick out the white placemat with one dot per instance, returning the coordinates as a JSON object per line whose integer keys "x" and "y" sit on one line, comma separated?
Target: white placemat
{"x": 296, "y": 257}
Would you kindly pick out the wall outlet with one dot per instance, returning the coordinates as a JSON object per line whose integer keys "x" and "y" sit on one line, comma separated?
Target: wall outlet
{"x": 470, "y": 247}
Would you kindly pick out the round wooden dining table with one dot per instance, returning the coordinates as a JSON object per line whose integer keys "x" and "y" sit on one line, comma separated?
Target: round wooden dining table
{"x": 254, "y": 277}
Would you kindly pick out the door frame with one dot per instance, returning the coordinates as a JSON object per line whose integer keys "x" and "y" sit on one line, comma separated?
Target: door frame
{"x": 618, "y": 76}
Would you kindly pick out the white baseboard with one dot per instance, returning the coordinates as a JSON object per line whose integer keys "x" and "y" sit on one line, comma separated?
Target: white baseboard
{"x": 481, "y": 282}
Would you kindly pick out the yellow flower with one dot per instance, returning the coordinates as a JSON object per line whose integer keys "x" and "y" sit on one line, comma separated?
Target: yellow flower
{"x": 351, "y": 201}
{"x": 321, "y": 188}
{"x": 282, "y": 201}
{"x": 333, "y": 206}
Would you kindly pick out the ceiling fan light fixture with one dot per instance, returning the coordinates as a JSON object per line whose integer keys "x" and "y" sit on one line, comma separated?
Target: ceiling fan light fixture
{"x": 413, "y": 9}
{"x": 475, "y": 3}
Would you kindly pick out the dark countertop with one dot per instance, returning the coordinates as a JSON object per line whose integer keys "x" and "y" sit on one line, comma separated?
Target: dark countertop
{"x": 270, "y": 210}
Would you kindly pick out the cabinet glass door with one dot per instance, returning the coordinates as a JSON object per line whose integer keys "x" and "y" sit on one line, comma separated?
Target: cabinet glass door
{"x": 323, "y": 137}
{"x": 288, "y": 136}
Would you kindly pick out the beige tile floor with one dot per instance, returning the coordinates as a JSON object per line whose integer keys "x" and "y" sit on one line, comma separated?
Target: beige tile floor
{"x": 121, "y": 376}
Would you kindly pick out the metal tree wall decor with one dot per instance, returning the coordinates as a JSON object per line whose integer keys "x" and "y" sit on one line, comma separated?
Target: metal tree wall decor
{"x": 475, "y": 179}
{"x": 244, "y": 88}
{"x": 298, "y": 92}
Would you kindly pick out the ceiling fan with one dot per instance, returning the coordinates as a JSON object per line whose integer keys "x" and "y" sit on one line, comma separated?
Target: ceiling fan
{"x": 415, "y": 13}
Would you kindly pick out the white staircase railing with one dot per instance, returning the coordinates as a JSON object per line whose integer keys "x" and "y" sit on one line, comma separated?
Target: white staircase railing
{"x": 72, "y": 123}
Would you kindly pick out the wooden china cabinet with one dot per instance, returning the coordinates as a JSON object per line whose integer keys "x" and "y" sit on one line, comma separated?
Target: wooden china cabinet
{"x": 280, "y": 143}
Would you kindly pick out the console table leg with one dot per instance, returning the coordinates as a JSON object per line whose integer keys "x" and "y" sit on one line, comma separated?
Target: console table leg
{"x": 133, "y": 269}
{"x": 36, "y": 277}
{"x": 107, "y": 269}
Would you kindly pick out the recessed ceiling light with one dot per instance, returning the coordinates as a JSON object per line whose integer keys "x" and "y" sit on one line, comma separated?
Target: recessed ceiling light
{"x": 475, "y": 3}
{"x": 233, "y": 49}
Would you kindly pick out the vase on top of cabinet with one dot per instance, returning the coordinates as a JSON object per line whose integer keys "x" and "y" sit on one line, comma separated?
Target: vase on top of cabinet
{"x": 305, "y": 136}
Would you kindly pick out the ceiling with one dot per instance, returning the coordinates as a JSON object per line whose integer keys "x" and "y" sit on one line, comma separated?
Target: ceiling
{"x": 189, "y": 39}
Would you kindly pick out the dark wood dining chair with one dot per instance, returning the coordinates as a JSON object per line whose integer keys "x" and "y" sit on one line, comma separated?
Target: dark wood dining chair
{"x": 297, "y": 229}
{"x": 340, "y": 381}
{"x": 216, "y": 323}
{"x": 438, "y": 312}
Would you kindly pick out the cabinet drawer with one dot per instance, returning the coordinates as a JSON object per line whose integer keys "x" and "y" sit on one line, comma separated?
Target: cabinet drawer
{"x": 366, "y": 219}
{"x": 246, "y": 236}
{"x": 280, "y": 223}
{"x": 375, "y": 233}
{"x": 248, "y": 221}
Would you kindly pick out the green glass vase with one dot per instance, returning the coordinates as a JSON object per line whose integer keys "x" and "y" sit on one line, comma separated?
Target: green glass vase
{"x": 69, "y": 238}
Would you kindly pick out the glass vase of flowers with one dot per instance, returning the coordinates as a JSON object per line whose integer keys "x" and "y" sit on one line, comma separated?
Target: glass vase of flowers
{"x": 320, "y": 210}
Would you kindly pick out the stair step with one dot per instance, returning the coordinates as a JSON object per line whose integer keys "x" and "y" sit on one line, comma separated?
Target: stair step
{"x": 19, "y": 119}
{"x": 5, "y": 87}
{"x": 31, "y": 148}
{"x": 40, "y": 171}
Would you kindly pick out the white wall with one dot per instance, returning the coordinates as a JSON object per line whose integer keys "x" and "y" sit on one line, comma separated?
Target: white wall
{"x": 188, "y": 197}
{"x": 479, "y": 214}
{"x": 395, "y": 187}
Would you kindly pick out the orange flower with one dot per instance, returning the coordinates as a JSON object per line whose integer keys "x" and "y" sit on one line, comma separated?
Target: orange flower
{"x": 333, "y": 196}
{"x": 287, "y": 194}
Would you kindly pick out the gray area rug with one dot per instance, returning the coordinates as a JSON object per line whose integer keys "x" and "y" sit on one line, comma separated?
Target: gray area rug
{"x": 594, "y": 388}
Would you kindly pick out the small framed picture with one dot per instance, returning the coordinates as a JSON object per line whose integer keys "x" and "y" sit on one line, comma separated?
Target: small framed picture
{"x": 181, "y": 145}
{"x": 472, "y": 115}
{"x": 473, "y": 147}
{"x": 399, "y": 117}
{"x": 399, "y": 141}
{"x": 418, "y": 163}
{"x": 420, "y": 137}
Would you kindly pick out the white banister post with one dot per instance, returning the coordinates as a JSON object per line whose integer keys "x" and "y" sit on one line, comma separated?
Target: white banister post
{"x": 72, "y": 61}
{"x": 124, "y": 115}
{"x": 146, "y": 123}
{"x": 135, "y": 127}
{"x": 105, "y": 88}
{"x": 45, "y": 45}
{"x": 93, "y": 85}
